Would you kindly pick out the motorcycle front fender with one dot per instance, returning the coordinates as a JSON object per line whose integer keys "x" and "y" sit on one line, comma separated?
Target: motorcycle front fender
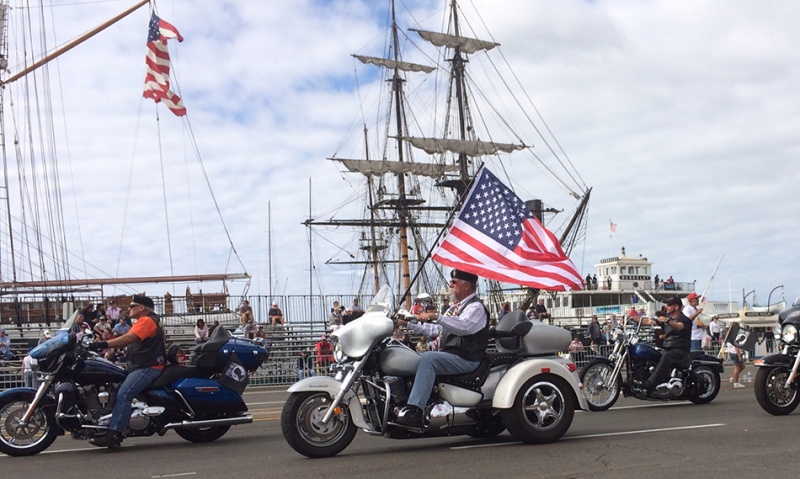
{"x": 708, "y": 361}
{"x": 775, "y": 360}
{"x": 331, "y": 386}
{"x": 512, "y": 382}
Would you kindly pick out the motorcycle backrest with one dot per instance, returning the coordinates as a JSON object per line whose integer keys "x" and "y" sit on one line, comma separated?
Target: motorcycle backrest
{"x": 218, "y": 338}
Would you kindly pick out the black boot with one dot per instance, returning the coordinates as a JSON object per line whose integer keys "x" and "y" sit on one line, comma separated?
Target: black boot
{"x": 110, "y": 438}
{"x": 411, "y": 416}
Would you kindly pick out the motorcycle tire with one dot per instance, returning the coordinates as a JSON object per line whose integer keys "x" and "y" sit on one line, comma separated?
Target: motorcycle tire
{"x": 771, "y": 394}
{"x": 712, "y": 389}
{"x": 599, "y": 397}
{"x": 542, "y": 411}
{"x": 300, "y": 422}
{"x": 35, "y": 437}
{"x": 206, "y": 434}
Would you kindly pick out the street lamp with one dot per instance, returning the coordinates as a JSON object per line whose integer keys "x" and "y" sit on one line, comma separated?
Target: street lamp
{"x": 744, "y": 298}
{"x": 770, "y": 296}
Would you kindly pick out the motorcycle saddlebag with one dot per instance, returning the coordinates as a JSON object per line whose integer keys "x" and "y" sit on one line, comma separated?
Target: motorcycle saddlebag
{"x": 209, "y": 397}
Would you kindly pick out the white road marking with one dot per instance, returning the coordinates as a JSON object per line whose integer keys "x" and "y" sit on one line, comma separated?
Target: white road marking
{"x": 620, "y": 433}
{"x": 682, "y": 403}
{"x": 174, "y": 475}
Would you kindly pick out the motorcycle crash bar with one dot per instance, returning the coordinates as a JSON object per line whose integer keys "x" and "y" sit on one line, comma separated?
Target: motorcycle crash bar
{"x": 228, "y": 421}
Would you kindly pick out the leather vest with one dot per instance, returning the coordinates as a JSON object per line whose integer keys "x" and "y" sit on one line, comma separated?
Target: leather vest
{"x": 471, "y": 347}
{"x": 150, "y": 351}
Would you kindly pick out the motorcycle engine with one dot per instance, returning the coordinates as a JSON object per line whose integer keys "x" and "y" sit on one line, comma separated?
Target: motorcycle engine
{"x": 98, "y": 400}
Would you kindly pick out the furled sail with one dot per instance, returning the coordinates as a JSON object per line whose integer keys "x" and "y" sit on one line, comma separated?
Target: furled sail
{"x": 391, "y": 64}
{"x": 376, "y": 168}
{"x": 467, "y": 45}
{"x": 433, "y": 146}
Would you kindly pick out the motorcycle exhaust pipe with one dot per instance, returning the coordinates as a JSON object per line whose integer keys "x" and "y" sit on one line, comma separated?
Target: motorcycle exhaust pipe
{"x": 228, "y": 421}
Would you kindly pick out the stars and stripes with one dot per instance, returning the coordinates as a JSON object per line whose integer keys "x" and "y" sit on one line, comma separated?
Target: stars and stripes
{"x": 156, "y": 80}
{"x": 497, "y": 237}
{"x": 613, "y": 226}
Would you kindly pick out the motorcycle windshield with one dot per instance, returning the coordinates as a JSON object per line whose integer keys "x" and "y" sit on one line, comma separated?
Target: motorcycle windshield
{"x": 53, "y": 347}
{"x": 382, "y": 302}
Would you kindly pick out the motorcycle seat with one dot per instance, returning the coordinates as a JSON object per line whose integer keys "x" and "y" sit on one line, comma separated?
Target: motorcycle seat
{"x": 172, "y": 373}
{"x": 475, "y": 379}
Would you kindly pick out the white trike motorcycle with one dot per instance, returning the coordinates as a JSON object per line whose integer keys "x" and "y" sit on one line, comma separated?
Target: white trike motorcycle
{"x": 525, "y": 387}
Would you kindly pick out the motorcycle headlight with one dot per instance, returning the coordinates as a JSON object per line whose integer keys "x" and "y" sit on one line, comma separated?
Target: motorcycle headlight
{"x": 789, "y": 333}
{"x": 338, "y": 353}
{"x": 777, "y": 333}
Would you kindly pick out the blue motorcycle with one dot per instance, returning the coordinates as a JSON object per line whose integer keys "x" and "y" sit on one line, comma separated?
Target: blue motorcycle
{"x": 698, "y": 380}
{"x": 77, "y": 391}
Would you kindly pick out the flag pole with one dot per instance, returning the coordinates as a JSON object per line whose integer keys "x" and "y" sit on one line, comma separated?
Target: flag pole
{"x": 467, "y": 191}
{"x": 712, "y": 276}
{"x": 69, "y": 46}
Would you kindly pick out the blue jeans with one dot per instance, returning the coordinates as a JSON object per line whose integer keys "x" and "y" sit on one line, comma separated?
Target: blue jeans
{"x": 696, "y": 345}
{"x": 8, "y": 355}
{"x": 302, "y": 374}
{"x": 435, "y": 363}
{"x": 135, "y": 383}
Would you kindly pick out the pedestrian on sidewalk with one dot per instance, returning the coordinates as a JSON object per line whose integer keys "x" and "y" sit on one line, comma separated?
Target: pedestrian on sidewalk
{"x": 736, "y": 355}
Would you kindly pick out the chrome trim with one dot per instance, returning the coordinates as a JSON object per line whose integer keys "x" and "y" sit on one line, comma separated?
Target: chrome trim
{"x": 39, "y": 395}
{"x": 185, "y": 403}
{"x": 345, "y": 387}
{"x": 793, "y": 374}
{"x": 229, "y": 421}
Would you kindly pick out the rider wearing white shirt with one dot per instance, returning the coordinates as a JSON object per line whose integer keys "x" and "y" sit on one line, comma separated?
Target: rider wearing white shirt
{"x": 692, "y": 312}
{"x": 464, "y": 336}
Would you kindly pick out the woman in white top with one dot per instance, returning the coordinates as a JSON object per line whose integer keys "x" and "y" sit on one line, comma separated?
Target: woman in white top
{"x": 200, "y": 332}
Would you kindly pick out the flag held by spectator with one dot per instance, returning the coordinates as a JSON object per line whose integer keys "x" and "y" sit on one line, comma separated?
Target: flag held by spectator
{"x": 497, "y": 237}
{"x": 156, "y": 80}
{"x": 613, "y": 226}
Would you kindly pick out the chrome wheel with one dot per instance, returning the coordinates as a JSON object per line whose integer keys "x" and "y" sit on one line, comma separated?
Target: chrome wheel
{"x": 542, "y": 411}
{"x": 771, "y": 392}
{"x": 707, "y": 385}
{"x": 600, "y": 389}
{"x": 32, "y": 437}
{"x": 303, "y": 429}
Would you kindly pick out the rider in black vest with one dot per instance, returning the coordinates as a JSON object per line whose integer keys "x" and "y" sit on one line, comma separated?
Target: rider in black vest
{"x": 463, "y": 333}
{"x": 146, "y": 354}
{"x": 677, "y": 342}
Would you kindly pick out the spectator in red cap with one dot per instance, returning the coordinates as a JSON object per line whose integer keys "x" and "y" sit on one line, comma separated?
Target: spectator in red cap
{"x": 692, "y": 312}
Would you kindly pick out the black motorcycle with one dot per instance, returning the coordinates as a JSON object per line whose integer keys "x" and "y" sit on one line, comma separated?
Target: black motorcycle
{"x": 78, "y": 389}
{"x": 698, "y": 380}
{"x": 777, "y": 383}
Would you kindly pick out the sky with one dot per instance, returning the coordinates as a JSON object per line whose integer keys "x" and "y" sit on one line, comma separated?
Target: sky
{"x": 681, "y": 115}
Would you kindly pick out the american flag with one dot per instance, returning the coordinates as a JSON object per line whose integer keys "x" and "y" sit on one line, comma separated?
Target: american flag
{"x": 156, "y": 80}
{"x": 497, "y": 237}
{"x": 613, "y": 226}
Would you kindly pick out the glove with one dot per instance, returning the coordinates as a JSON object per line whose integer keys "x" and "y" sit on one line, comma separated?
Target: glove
{"x": 98, "y": 345}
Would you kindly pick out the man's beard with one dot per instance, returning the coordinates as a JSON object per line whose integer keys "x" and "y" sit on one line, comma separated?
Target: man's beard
{"x": 453, "y": 297}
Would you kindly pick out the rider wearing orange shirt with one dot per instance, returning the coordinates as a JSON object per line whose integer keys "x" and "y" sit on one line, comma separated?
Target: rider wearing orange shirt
{"x": 146, "y": 353}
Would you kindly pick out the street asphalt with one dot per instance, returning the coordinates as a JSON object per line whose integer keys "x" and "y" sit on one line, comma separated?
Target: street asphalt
{"x": 729, "y": 438}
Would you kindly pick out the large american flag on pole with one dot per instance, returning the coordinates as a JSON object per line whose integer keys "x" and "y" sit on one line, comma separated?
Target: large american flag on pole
{"x": 156, "y": 79}
{"x": 497, "y": 237}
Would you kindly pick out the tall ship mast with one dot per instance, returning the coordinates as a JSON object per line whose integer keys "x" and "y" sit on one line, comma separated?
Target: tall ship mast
{"x": 36, "y": 261}
{"x": 435, "y": 137}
